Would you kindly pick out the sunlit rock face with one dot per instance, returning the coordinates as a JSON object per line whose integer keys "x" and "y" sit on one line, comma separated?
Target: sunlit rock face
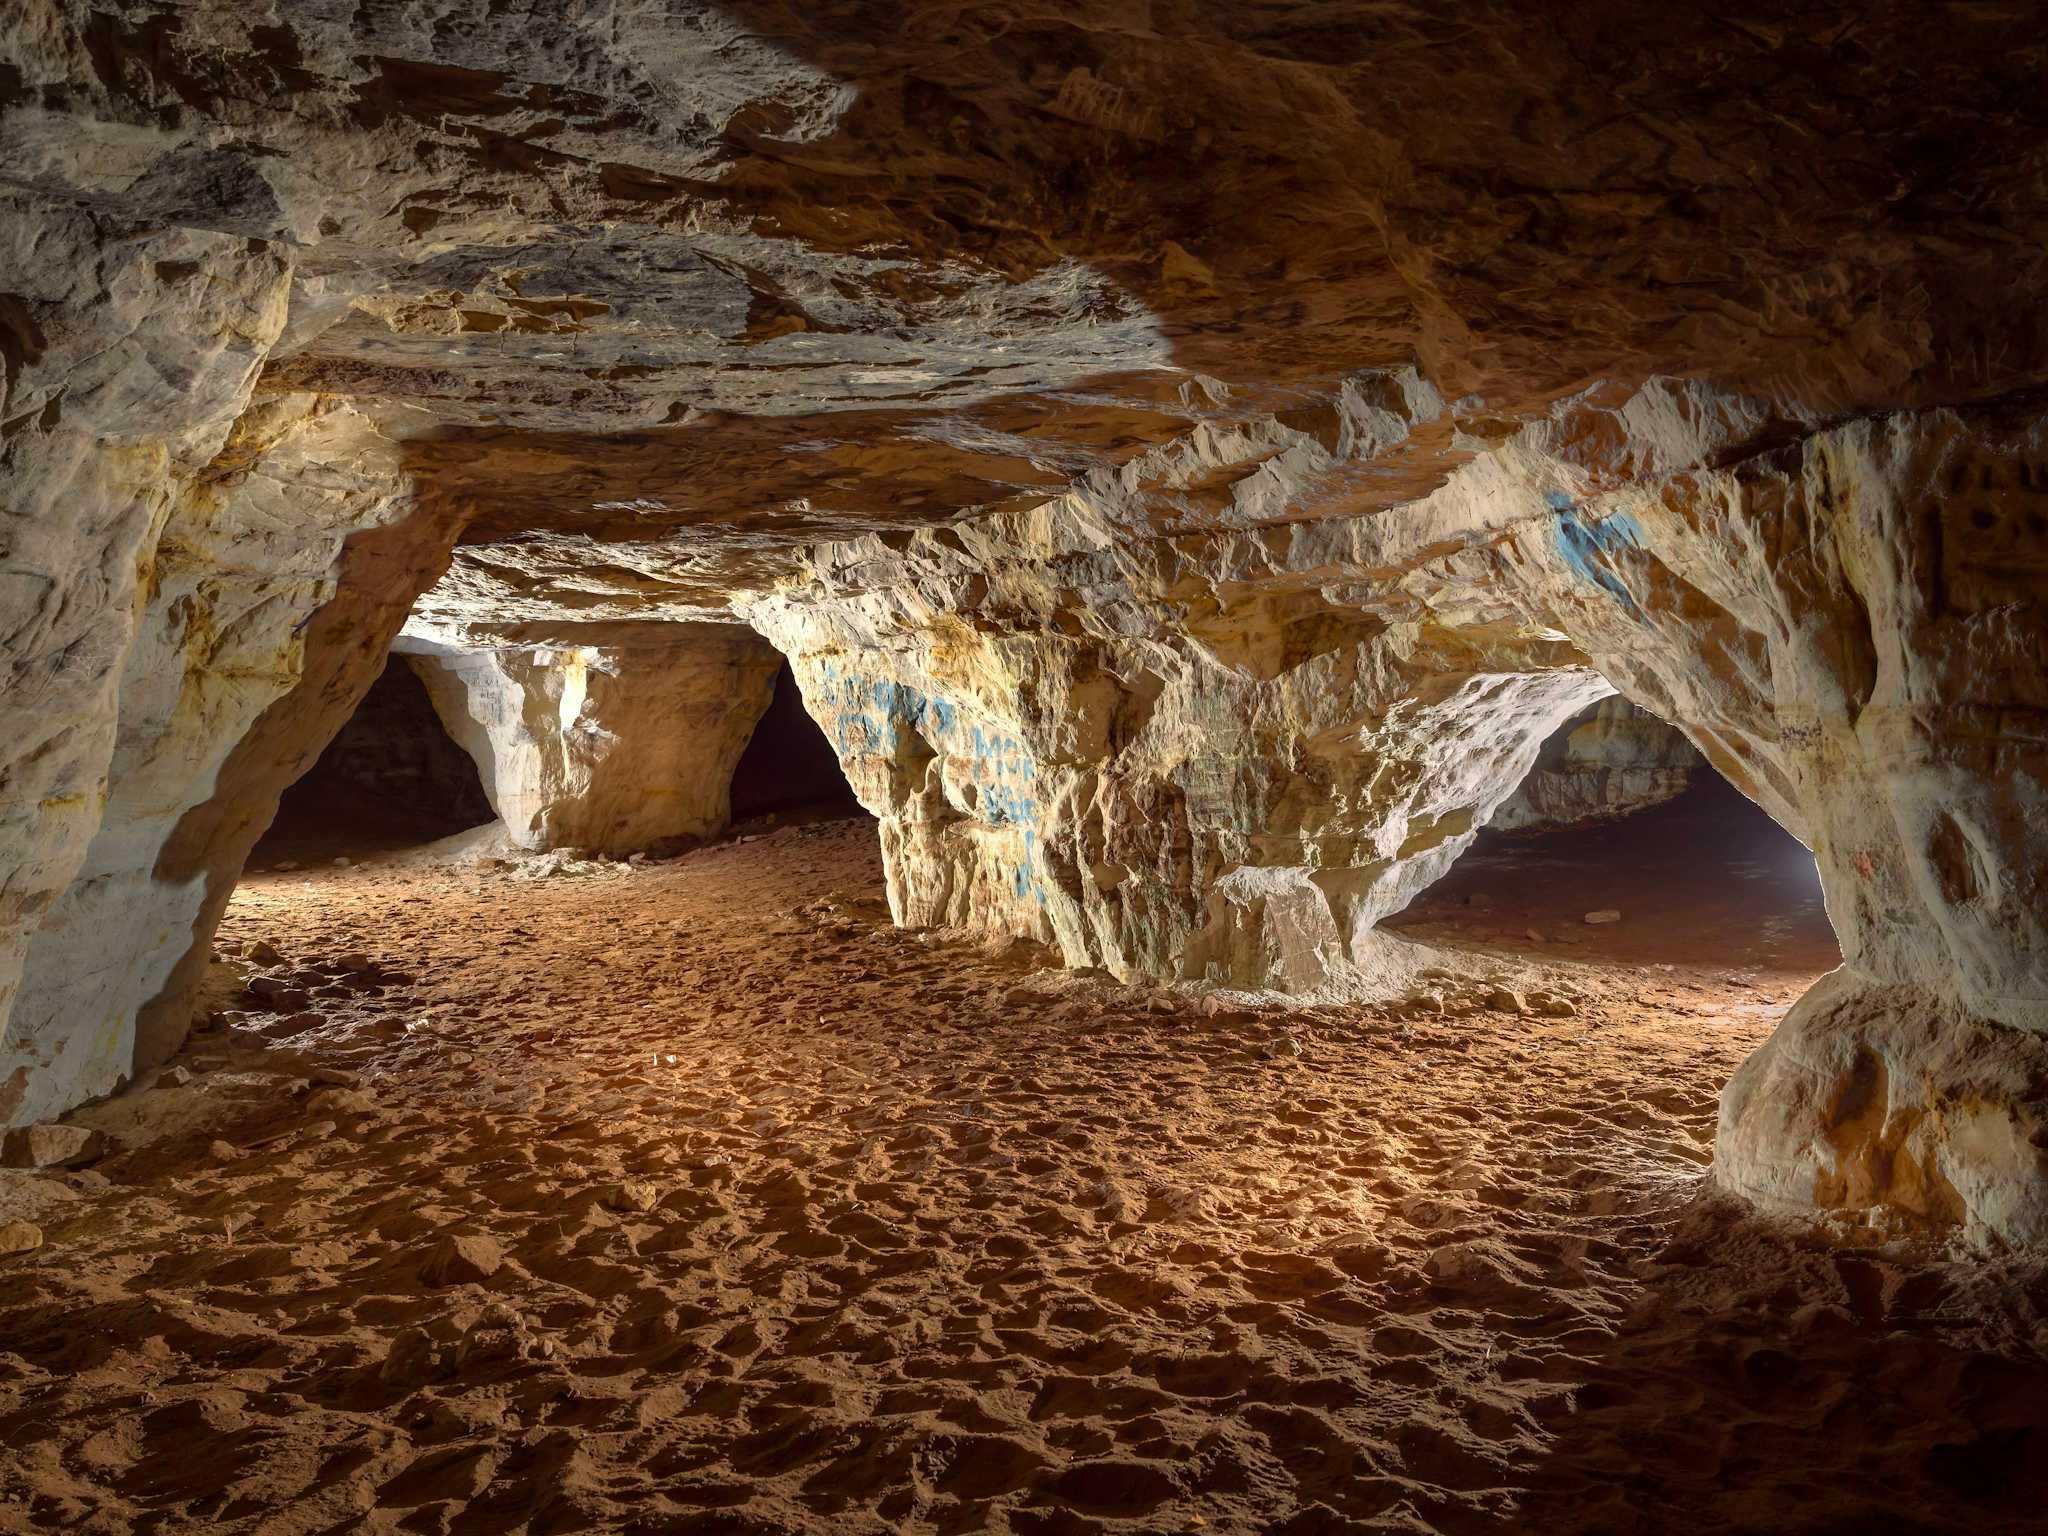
{"x": 269, "y": 591}
{"x": 1609, "y": 761}
{"x": 1853, "y": 628}
{"x": 98, "y": 448}
{"x": 609, "y": 748}
{"x": 1192, "y": 457}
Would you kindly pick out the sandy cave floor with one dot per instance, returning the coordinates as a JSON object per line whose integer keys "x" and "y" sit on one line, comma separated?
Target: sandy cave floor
{"x": 696, "y": 1197}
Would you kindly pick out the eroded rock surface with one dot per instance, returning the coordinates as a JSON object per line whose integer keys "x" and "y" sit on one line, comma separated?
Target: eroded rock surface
{"x": 608, "y": 748}
{"x": 1608, "y": 761}
{"x": 1192, "y": 459}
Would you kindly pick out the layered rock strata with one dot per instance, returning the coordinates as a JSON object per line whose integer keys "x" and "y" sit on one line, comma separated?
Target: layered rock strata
{"x": 608, "y": 748}
{"x": 269, "y": 594}
{"x": 1609, "y": 761}
{"x": 1193, "y": 462}
{"x": 1175, "y": 739}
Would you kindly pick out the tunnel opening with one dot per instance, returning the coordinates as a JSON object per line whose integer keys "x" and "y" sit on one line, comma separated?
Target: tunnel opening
{"x": 392, "y": 778}
{"x": 788, "y": 769}
{"x": 1622, "y": 844}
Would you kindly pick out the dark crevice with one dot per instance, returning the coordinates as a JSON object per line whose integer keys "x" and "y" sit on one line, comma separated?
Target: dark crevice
{"x": 392, "y": 777}
{"x": 788, "y": 763}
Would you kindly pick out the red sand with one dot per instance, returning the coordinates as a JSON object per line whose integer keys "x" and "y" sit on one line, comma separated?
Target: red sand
{"x": 698, "y": 1198}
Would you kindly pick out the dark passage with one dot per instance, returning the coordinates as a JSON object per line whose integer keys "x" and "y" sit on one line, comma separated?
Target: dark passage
{"x": 788, "y": 764}
{"x": 392, "y": 778}
{"x": 1705, "y": 879}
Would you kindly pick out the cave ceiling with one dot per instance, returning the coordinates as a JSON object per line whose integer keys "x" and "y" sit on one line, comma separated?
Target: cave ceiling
{"x": 659, "y": 292}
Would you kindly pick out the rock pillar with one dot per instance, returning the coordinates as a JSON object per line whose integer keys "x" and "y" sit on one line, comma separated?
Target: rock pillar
{"x": 610, "y": 747}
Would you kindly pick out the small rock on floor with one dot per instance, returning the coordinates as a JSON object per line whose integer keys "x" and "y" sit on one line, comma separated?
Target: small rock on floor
{"x": 631, "y": 1195}
{"x": 52, "y": 1146}
{"x": 462, "y": 1260}
{"x": 19, "y": 1237}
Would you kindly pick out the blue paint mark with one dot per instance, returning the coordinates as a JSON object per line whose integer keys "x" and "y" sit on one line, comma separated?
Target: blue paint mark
{"x": 871, "y": 716}
{"x": 1590, "y": 548}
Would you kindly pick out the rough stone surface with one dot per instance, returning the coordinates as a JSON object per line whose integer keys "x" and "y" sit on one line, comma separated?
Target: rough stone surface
{"x": 464, "y": 1258}
{"x": 266, "y": 615}
{"x": 51, "y": 1146}
{"x": 1192, "y": 458}
{"x": 608, "y": 748}
{"x": 1608, "y": 761}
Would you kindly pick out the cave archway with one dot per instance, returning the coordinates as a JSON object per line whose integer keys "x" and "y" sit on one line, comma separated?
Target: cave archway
{"x": 392, "y": 777}
{"x": 1622, "y": 841}
{"x": 789, "y": 765}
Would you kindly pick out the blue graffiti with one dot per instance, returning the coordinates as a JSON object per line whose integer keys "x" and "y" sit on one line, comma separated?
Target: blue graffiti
{"x": 872, "y": 715}
{"x": 1590, "y": 548}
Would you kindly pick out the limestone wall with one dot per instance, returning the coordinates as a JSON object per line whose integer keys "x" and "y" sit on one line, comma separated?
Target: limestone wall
{"x": 611, "y": 748}
{"x": 1184, "y": 551}
{"x": 268, "y": 596}
{"x": 1225, "y": 755}
{"x": 1611, "y": 760}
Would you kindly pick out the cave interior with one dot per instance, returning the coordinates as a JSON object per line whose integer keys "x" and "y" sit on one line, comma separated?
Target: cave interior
{"x": 938, "y": 768}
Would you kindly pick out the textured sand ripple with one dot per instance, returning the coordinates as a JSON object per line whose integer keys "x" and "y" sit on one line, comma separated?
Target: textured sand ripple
{"x": 701, "y": 1199}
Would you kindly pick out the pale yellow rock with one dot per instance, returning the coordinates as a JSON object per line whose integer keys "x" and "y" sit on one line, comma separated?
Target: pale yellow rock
{"x": 608, "y": 748}
{"x": 1183, "y": 566}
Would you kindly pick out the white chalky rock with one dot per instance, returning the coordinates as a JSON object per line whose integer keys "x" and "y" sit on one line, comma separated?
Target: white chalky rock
{"x": 608, "y": 748}
{"x": 1183, "y": 563}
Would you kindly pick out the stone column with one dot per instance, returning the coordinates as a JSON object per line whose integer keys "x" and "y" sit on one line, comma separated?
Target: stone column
{"x": 125, "y": 359}
{"x": 1854, "y": 629}
{"x": 616, "y": 746}
{"x": 1243, "y": 809}
{"x": 282, "y": 572}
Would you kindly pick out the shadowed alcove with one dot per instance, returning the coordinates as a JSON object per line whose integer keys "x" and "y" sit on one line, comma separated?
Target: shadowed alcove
{"x": 392, "y": 778}
{"x": 788, "y": 764}
{"x": 1623, "y": 840}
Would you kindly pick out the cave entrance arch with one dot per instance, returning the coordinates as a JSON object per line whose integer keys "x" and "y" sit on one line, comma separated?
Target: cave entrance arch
{"x": 391, "y": 778}
{"x": 789, "y": 766}
{"x": 1621, "y": 814}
